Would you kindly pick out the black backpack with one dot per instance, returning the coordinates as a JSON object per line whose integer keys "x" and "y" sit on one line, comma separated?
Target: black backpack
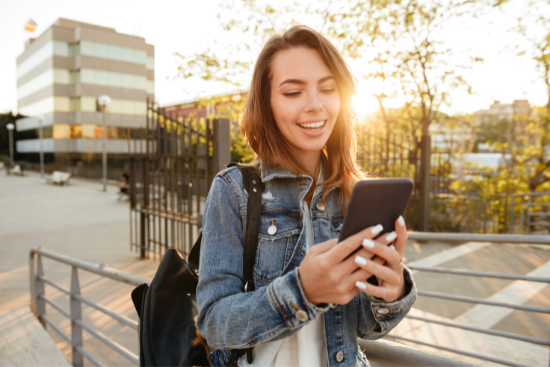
{"x": 167, "y": 309}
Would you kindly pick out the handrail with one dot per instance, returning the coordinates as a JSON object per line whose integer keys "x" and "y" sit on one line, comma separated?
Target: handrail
{"x": 39, "y": 301}
{"x": 474, "y": 237}
{"x": 481, "y": 274}
{"x": 93, "y": 268}
{"x": 38, "y": 280}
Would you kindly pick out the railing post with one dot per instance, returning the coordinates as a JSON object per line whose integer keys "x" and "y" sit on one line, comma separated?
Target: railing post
{"x": 221, "y": 145}
{"x": 76, "y": 314}
{"x": 38, "y": 306}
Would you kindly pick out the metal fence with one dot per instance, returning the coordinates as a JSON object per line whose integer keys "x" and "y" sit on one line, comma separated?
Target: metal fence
{"x": 384, "y": 152}
{"x": 171, "y": 169}
{"x": 39, "y": 302}
{"x": 493, "y": 238}
{"x": 38, "y": 282}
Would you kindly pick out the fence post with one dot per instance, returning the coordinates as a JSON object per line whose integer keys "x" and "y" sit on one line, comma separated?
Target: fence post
{"x": 222, "y": 145}
{"x": 36, "y": 269}
{"x": 425, "y": 183}
{"x": 76, "y": 314}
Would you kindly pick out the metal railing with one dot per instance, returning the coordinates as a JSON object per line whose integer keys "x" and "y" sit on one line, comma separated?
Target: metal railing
{"x": 38, "y": 281}
{"x": 469, "y": 237}
{"x": 398, "y": 353}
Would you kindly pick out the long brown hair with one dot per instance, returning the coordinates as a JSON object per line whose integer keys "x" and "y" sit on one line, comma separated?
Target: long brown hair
{"x": 259, "y": 127}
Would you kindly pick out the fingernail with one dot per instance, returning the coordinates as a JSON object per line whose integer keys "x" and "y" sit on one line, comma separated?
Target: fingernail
{"x": 368, "y": 243}
{"x": 401, "y": 221}
{"x": 392, "y": 247}
{"x": 361, "y": 285}
{"x": 377, "y": 229}
{"x": 392, "y": 236}
{"x": 360, "y": 260}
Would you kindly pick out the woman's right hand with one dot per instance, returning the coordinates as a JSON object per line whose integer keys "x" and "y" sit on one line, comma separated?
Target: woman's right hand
{"x": 327, "y": 274}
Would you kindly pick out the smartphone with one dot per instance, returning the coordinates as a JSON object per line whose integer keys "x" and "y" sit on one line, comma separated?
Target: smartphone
{"x": 376, "y": 201}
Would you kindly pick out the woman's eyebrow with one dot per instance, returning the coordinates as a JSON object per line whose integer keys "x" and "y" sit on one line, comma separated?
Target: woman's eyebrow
{"x": 303, "y": 82}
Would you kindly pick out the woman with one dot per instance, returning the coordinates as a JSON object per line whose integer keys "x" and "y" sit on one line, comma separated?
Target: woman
{"x": 311, "y": 300}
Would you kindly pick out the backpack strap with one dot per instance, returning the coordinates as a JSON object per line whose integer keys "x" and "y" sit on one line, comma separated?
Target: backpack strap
{"x": 253, "y": 184}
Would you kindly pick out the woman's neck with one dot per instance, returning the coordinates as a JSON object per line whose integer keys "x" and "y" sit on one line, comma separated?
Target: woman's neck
{"x": 312, "y": 163}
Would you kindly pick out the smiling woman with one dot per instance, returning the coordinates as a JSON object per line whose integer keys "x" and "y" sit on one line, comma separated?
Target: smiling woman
{"x": 308, "y": 301}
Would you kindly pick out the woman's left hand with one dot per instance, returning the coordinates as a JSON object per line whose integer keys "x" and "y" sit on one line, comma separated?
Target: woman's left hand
{"x": 391, "y": 283}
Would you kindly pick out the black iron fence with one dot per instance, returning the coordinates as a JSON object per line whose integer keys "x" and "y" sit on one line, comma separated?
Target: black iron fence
{"x": 171, "y": 169}
{"x": 386, "y": 153}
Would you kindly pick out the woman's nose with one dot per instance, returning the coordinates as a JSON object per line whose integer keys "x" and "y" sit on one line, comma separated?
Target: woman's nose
{"x": 313, "y": 103}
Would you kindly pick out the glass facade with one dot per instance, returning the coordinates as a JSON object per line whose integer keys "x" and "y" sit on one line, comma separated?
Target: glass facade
{"x": 86, "y": 131}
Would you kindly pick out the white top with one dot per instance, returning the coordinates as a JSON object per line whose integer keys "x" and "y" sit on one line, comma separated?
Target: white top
{"x": 308, "y": 346}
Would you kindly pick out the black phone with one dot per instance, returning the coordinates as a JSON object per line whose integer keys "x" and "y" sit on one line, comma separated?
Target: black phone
{"x": 376, "y": 201}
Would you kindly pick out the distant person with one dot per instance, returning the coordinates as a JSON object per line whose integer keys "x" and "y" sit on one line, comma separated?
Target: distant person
{"x": 7, "y": 165}
{"x": 125, "y": 186}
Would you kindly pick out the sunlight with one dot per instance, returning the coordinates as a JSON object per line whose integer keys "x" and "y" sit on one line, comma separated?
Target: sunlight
{"x": 364, "y": 102}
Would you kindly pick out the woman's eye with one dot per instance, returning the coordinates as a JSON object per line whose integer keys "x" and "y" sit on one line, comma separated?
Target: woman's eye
{"x": 291, "y": 94}
{"x": 327, "y": 90}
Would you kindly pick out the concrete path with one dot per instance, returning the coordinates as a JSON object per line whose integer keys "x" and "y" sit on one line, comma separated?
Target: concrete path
{"x": 25, "y": 343}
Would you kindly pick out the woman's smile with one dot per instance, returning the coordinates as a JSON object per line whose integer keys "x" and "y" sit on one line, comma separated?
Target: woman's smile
{"x": 313, "y": 128}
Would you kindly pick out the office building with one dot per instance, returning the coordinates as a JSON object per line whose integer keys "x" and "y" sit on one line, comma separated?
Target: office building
{"x": 61, "y": 74}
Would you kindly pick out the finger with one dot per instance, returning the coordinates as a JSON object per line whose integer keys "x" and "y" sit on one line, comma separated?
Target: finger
{"x": 386, "y": 293}
{"x": 352, "y": 243}
{"x": 385, "y": 273}
{"x": 390, "y": 255}
{"x": 402, "y": 237}
{"x": 349, "y": 266}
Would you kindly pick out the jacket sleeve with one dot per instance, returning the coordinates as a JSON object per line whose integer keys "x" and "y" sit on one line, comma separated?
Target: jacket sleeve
{"x": 377, "y": 317}
{"x": 229, "y": 318}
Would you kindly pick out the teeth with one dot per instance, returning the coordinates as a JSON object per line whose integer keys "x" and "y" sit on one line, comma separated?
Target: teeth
{"x": 313, "y": 125}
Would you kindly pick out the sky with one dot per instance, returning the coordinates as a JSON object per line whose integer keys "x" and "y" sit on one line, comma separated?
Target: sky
{"x": 186, "y": 27}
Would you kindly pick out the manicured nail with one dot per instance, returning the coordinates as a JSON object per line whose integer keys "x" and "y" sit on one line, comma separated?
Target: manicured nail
{"x": 360, "y": 260}
{"x": 377, "y": 229}
{"x": 368, "y": 243}
{"x": 401, "y": 221}
{"x": 392, "y": 236}
{"x": 361, "y": 285}
{"x": 392, "y": 247}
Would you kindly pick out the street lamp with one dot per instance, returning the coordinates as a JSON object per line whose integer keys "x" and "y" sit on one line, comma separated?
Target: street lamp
{"x": 10, "y": 128}
{"x": 40, "y": 120}
{"x": 104, "y": 100}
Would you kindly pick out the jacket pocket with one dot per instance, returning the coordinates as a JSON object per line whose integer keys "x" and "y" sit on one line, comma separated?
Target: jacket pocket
{"x": 273, "y": 244}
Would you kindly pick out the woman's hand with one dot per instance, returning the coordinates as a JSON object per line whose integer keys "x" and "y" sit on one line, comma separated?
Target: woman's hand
{"x": 327, "y": 274}
{"x": 391, "y": 283}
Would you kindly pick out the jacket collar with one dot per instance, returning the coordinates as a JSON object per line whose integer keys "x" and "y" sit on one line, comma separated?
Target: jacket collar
{"x": 270, "y": 172}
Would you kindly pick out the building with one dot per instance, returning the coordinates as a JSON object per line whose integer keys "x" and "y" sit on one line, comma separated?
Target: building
{"x": 61, "y": 74}
{"x": 520, "y": 107}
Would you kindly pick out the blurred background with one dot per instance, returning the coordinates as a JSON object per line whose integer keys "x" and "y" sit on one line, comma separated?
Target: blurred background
{"x": 128, "y": 109}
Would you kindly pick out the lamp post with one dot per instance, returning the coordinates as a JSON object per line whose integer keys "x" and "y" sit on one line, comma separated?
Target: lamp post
{"x": 104, "y": 100}
{"x": 40, "y": 120}
{"x": 10, "y": 128}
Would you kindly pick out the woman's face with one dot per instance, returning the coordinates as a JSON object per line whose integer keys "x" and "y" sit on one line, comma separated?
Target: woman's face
{"x": 304, "y": 98}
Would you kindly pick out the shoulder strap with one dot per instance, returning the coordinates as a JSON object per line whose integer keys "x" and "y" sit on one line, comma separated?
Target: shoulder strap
{"x": 254, "y": 186}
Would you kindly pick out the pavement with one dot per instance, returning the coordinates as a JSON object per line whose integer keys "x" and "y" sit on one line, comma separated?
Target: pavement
{"x": 81, "y": 221}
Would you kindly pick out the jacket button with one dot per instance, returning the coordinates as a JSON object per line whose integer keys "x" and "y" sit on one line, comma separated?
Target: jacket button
{"x": 301, "y": 315}
{"x": 339, "y": 356}
{"x": 383, "y": 311}
{"x": 320, "y": 207}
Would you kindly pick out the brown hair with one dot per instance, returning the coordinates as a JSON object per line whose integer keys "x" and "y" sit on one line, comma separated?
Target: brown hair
{"x": 259, "y": 127}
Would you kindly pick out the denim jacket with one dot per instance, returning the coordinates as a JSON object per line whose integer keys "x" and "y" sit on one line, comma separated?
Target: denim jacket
{"x": 229, "y": 318}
